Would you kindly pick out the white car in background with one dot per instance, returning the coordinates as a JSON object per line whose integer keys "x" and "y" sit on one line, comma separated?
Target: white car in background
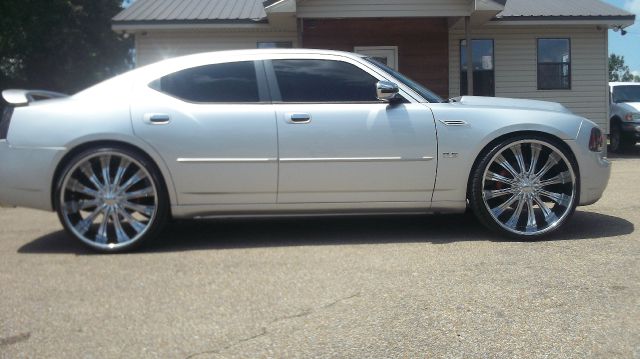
{"x": 282, "y": 132}
{"x": 625, "y": 115}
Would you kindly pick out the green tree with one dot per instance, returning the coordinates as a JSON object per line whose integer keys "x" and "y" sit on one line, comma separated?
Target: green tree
{"x": 60, "y": 45}
{"x": 618, "y": 71}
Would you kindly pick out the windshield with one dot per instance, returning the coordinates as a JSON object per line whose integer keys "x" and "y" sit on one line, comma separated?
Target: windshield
{"x": 423, "y": 91}
{"x": 630, "y": 93}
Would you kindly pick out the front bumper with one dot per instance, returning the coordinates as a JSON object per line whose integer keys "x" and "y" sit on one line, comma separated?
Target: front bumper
{"x": 631, "y": 128}
{"x": 595, "y": 168}
{"x": 25, "y": 176}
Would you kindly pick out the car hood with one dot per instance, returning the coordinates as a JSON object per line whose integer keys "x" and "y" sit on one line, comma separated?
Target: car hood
{"x": 629, "y": 106}
{"x": 499, "y": 102}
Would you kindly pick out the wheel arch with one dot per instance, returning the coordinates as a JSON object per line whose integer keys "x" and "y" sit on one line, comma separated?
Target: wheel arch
{"x": 489, "y": 146}
{"x": 64, "y": 161}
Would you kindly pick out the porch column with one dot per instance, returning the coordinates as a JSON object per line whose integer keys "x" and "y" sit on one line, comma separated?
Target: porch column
{"x": 467, "y": 32}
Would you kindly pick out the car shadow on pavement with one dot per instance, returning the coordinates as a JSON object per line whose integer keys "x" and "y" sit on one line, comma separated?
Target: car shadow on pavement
{"x": 316, "y": 231}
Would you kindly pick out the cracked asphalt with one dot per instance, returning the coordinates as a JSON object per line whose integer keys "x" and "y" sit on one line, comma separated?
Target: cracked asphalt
{"x": 356, "y": 287}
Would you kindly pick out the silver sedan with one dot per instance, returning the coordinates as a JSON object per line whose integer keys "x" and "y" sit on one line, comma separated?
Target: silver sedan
{"x": 282, "y": 132}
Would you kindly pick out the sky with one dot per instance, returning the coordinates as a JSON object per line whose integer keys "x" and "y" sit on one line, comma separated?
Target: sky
{"x": 628, "y": 45}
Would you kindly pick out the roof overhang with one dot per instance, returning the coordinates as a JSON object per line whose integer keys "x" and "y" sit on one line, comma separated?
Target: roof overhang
{"x": 610, "y": 21}
{"x": 282, "y": 13}
{"x": 135, "y": 26}
{"x": 489, "y": 5}
{"x": 280, "y": 6}
{"x": 482, "y": 11}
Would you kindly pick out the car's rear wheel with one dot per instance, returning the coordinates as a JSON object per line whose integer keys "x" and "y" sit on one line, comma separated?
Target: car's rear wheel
{"x": 111, "y": 199}
{"x": 525, "y": 187}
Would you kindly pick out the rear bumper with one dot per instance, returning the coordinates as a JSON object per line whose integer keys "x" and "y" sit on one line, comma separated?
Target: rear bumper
{"x": 25, "y": 176}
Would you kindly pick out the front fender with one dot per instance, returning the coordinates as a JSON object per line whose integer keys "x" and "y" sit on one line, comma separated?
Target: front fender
{"x": 460, "y": 145}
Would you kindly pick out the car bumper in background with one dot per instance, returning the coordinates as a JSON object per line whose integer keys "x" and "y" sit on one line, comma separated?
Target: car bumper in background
{"x": 631, "y": 128}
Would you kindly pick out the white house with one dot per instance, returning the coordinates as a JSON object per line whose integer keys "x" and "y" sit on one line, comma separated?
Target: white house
{"x": 544, "y": 49}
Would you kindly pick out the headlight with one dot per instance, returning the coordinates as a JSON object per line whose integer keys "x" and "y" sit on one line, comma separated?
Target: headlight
{"x": 632, "y": 116}
{"x": 596, "y": 141}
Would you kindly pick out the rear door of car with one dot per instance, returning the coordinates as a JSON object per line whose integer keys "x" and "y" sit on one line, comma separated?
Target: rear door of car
{"x": 215, "y": 128}
{"x": 339, "y": 144}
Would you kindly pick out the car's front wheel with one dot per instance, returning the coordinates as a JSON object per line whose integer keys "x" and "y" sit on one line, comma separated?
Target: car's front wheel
{"x": 111, "y": 199}
{"x": 525, "y": 186}
{"x": 618, "y": 140}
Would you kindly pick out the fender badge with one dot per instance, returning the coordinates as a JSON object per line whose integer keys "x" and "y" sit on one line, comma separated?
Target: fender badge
{"x": 450, "y": 155}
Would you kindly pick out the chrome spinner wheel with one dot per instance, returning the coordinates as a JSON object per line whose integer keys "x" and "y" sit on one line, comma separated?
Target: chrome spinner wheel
{"x": 529, "y": 187}
{"x": 108, "y": 199}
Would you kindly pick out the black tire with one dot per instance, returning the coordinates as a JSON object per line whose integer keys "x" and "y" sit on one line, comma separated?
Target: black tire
{"x": 488, "y": 182}
{"x": 628, "y": 143}
{"x": 615, "y": 138}
{"x": 132, "y": 205}
{"x": 620, "y": 142}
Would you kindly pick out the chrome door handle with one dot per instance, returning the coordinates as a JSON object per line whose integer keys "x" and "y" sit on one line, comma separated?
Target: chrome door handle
{"x": 299, "y": 118}
{"x": 157, "y": 118}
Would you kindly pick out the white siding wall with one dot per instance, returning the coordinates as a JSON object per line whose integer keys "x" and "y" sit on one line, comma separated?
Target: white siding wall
{"x": 382, "y": 8}
{"x": 159, "y": 45}
{"x": 516, "y": 66}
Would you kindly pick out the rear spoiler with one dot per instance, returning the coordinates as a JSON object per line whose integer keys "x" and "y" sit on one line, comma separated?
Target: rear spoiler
{"x": 25, "y": 97}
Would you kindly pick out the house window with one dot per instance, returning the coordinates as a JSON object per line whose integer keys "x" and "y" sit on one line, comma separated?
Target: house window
{"x": 387, "y": 55}
{"x": 275, "y": 44}
{"x": 483, "y": 68}
{"x": 554, "y": 64}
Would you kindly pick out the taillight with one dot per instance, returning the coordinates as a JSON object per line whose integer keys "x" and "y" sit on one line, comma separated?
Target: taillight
{"x": 4, "y": 122}
{"x": 596, "y": 141}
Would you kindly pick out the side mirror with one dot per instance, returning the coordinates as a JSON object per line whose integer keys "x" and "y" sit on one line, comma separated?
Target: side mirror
{"x": 387, "y": 91}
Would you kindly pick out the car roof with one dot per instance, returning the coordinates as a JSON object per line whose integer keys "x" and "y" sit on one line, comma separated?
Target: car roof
{"x": 233, "y": 54}
{"x": 175, "y": 63}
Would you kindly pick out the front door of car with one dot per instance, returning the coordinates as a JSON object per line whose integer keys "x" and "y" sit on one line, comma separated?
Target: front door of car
{"x": 215, "y": 130}
{"x": 339, "y": 144}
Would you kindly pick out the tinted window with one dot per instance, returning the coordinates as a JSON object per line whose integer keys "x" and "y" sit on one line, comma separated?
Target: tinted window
{"x": 230, "y": 82}
{"x": 554, "y": 64}
{"x": 323, "y": 81}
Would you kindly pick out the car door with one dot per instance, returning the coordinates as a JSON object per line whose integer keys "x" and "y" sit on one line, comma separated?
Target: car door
{"x": 339, "y": 144}
{"x": 214, "y": 126}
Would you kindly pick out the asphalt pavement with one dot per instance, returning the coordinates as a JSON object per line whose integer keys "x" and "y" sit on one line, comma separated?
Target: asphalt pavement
{"x": 351, "y": 287}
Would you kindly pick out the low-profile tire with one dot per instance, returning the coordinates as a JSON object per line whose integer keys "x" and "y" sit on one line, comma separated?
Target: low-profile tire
{"x": 111, "y": 199}
{"x": 525, "y": 187}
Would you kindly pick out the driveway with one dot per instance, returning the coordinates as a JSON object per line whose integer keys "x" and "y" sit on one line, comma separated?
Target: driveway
{"x": 392, "y": 287}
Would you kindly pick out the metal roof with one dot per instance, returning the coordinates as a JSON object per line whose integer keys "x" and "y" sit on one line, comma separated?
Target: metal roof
{"x": 193, "y": 11}
{"x": 560, "y": 8}
{"x": 251, "y": 11}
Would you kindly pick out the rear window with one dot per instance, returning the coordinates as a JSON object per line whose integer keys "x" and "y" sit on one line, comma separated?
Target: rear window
{"x": 218, "y": 83}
